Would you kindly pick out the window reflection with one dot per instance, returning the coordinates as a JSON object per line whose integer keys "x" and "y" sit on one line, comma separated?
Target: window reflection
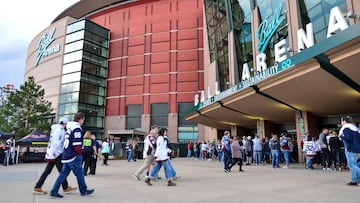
{"x": 73, "y": 77}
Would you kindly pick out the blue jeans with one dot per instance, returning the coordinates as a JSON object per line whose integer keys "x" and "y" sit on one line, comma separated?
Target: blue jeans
{"x": 221, "y": 156}
{"x": 167, "y": 169}
{"x": 196, "y": 154}
{"x": 227, "y": 159}
{"x": 189, "y": 153}
{"x": 128, "y": 155}
{"x": 258, "y": 157}
{"x": 353, "y": 165}
{"x": 275, "y": 155}
{"x": 309, "y": 162}
{"x": 286, "y": 157}
{"x": 76, "y": 167}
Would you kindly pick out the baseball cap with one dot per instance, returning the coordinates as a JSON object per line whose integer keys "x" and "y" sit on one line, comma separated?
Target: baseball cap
{"x": 63, "y": 120}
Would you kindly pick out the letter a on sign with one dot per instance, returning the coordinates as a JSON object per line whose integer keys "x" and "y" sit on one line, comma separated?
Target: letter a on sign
{"x": 336, "y": 21}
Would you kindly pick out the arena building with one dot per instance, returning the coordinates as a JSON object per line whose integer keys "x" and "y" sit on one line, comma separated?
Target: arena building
{"x": 199, "y": 67}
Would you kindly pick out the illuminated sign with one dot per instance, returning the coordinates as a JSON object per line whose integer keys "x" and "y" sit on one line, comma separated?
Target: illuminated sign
{"x": 43, "y": 46}
{"x": 267, "y": 28}
{"x": 305, "y": 40}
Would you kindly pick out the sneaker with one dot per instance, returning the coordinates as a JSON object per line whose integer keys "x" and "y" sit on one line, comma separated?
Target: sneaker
{"x": 226, "y": 171}
{"x": 285, "y": 167}
{"x": 136, "y": 177}
{"x": 324, "y": 169}
{"x": 352, "y": 184}
{"x": 170, "y": 183}
{"x": 148, "y": 181}
{"x": 329, "y": 169}
{"x": 241, "y": 170}
{"x": 39, "y": 191}
{"x": 88, "y": 192}
{"x": 69, "y": 189}
{"x": 175, "y": 178}
{"x": 56, "y": 195}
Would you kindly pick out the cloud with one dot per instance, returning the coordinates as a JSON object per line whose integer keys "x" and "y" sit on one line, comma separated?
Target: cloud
{"x": 18, "y": 26}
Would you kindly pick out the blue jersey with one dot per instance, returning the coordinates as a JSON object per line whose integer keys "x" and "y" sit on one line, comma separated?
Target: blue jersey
{"x": 73, "y": 138}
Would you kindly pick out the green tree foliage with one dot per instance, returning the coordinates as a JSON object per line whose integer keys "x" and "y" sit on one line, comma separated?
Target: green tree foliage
{"x": 25, "y": 110}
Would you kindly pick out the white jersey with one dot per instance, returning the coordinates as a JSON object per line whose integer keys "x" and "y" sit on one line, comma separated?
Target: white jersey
{"x": 56, "y": 143}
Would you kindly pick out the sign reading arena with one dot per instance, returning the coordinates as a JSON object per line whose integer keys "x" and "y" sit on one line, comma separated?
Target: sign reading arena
{"x": 265, "y": 31}
{"x": 44, "y": 48}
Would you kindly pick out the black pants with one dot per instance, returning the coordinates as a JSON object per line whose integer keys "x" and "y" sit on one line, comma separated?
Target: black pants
{"x": 87, "y": 156}
{"x": 106, "y": 157}
{"x": 93, "y": 165}
{"x": 227, "y": 159}
{"x": 47, "y": 171}
{"x": 236, "y": 161}
{"x": 326, "y": 158}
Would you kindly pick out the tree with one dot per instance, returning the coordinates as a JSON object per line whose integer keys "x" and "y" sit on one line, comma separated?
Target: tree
{"x": 25, "y": 110}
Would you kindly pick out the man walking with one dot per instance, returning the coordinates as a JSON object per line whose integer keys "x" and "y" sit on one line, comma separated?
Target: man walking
{"x": 72, "y": 157}
{"x": 349, "y": 133}
{"x": 227, "y": 151}
{"x": 53, "y": 156}
{"x": 148, "y": 153}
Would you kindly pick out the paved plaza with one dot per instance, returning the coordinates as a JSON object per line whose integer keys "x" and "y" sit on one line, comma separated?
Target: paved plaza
{"x": 201, "y": 181}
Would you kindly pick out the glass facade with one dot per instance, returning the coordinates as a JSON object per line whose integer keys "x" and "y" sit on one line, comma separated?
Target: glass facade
{"x": 159, "y": 115}
{"x": 187, "y": 130}
{"x": 133, "y": 117}
{"x": 267, "y": 10}
{"x": 83, "y": 84}
{"x": 317, "y": 12}
{"x": 241, "y": 17}
{"x": 217, "y": 30}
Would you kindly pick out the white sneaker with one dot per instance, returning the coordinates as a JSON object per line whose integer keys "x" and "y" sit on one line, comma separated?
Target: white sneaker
{"x": 324, "y": 169}
{"x": 329, "y": 169}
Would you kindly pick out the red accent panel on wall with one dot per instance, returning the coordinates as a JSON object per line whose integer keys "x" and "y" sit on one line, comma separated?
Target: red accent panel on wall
{"x": 188, "y": 55}
{"x": 187, "y": 77}
{"x": 134, "y": 99}
{"x": 135, "y": 70}
{"x": 138, "y": 80}
{"x": 159, "y": 78}
{"x": 188, "y": 34}
{"x": 187, "y": 66}
{"x": 160, "y": 46}
{"x": 160, "y": 57}
{"x": 115, "y": 49}
{"x": 159, "y": 88}
{"x": 159, "y": 98}
{"x": 114, "y": 69}
{"x": 187, "y": 44}
{"x": 136, "y": 60}
{"x": 112, "y": 107}
{"x": 160, "y": 68}
{"x": 113, "y": 88}
{"x": 160, "y": 37}
{"x": 136, "y": 50}
{"x": 138, "y": 40}
{"x": 186, "y": 97}
{"x": 138, "y": 89}
{"x": 173, "y": 103}
{"x": 187, "y": 86}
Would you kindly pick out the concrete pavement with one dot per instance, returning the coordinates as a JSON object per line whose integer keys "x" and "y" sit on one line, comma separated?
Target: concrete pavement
{"x": 201, "y": 181}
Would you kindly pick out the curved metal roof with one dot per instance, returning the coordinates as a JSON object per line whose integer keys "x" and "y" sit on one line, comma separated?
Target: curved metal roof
{"x": 86, "y": 7}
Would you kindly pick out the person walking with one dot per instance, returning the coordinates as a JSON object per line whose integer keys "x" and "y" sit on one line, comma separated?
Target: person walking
{"x": 190, "y": 149}
{"x": 285, "y": 149}
{"x": 105, "y": 150}
{"x": 53, "y": 157}
{"x": 95, "y": 157}
{"x": 236, "y": 150}
{"x": 275, "y": 147}
{"x": 128, "y": 149}
{"x": 326, "y": 157}
{"x": 258, "y": 147}
{"x": 162, "y": 159}
{"x": 226, "y": 151}
{"x": 148, "y": 153}
{"x": 349, "y": 133}
{"x": 309, "y": 151}
{"x": 72, "y": 157}
{"x": 89, "y": 150}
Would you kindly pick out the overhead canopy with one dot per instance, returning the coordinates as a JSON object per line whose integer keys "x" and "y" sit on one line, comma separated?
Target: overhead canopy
{"x": 4, "y": 135}
{"x": 34, "y": 139}
{"x": 324, "y": 80}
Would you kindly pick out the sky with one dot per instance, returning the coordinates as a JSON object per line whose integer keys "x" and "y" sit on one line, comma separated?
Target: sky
{"x": 20, "y": 22}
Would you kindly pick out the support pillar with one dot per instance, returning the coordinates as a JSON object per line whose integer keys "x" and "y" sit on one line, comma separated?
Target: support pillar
{"x": 264, "y": 128}
{"x": 305, "y": 122}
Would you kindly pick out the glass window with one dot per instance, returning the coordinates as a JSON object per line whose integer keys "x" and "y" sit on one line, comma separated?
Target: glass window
{"x": 317, "y": 12}
{"x": 184, "y": 109}
{"x": 79, "y": 25}
{"x": 70, "y": 97}
{"x": 133, "y": 116}
{"x": 74, "y": 56}
{"x": 74, "y": 46}
{"x": 159, "y": 114}
{"x": 73, "y": 77}
{"x": 72, "y": 67}
{"x": 75, "y": 36}
{"x": 71, "y": 108}
{"x": 72, "y": 87}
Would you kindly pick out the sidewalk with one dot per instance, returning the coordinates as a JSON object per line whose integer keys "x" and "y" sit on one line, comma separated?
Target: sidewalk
{"x": 201, "y": 181}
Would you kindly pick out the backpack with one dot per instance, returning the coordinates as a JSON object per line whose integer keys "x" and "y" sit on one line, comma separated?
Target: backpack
{"x": 275, "y": 145}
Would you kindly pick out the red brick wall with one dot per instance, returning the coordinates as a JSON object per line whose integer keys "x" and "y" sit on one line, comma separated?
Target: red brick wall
{"x": 155, "y": 53}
